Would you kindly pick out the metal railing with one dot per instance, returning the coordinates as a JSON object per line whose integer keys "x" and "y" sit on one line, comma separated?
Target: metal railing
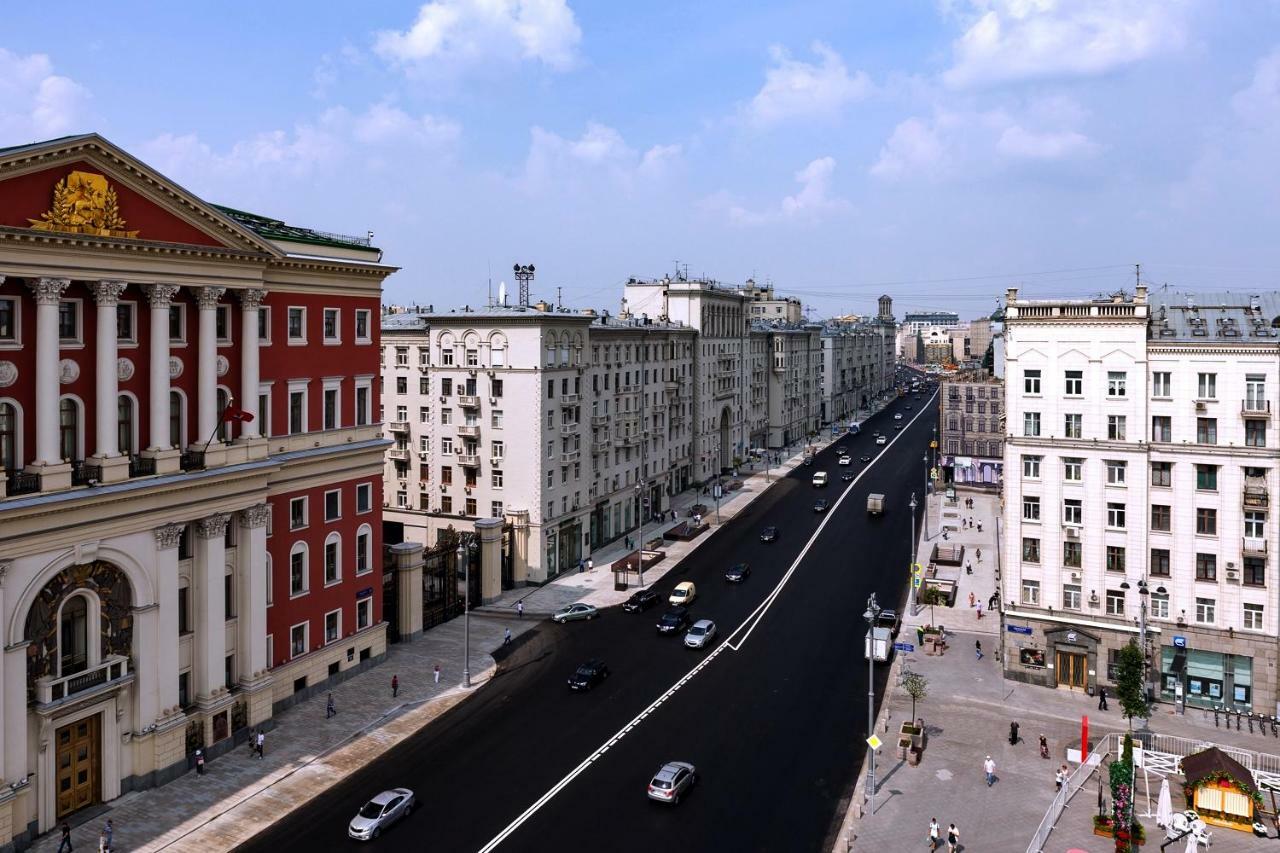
{"x": 140, "y": 466}
{"x": 82, "y": 474}
{"x": 191, "y": 460}
{"x": 1074, "y": 783}
{"x": 21, "y": 483}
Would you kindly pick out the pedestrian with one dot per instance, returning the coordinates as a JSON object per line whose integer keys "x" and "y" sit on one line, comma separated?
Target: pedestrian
{"x": 933, "y": 833}
{"x": 395, "y": 686}
{"x": 199, "y": 762}
{"x": 1044, "y": 746}
{"x": 945, "y": 537}
{"x": 953, "y": 838}
{"x": 1013, "y": 733}
{"x": 109, "y": 831}
{"x": 506, "y": 637}
{"x": 989, "y": 767}
{"x": 993, "y": 600}
{"x": 1057, "y": 779}
{"x": 582, "y": 565}
{"x": 979, "y": 609}
{"x": 520, "y": 609}
{"x": 66, "y": 838}
{"x": 971, "y": 599}
{"x": 977, "y": 647}
{"x": 1102, "y": 698}
{"x": 437, "y": 673}
{"x": 329, "y": 710}
{"x": 102, "y": 843}
{"x": 920, "y": 635}
{"x": 261, "y": 742}
{"x": 979, "y": 526}
{"x": 591, "y": 564}
{"x": 977, "y": 552}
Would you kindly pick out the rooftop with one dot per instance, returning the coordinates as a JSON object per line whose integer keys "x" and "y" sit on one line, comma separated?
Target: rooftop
{"x": 274, "y": 229}
{"x": 1201, "y": 317}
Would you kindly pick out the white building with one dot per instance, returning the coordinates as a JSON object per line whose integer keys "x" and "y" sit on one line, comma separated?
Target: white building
{"x": 1141, "y": 450}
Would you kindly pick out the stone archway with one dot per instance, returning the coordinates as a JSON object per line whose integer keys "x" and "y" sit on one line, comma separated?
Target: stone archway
{"x": 111, "y": 625}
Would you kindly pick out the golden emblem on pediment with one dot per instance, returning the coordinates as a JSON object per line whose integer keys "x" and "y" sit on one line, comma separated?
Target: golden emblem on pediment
{"x": 84, "y": 203}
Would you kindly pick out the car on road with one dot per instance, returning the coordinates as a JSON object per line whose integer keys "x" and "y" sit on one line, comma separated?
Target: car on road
{"x": 847, "y": 476}
{"x": 700, "y": 634}
{"x": 866, "y": 458}
{"x": 842, "y": 450}
{"x": 588, "y": 675}
{"x": 821, "y": 504}
{"x": 882, "y": 439}
{"x": 675, "y": 619}
{"x": 683, "y": 595}
{"x": 891, "y": 620}
{"x": 897, "y": 426}
{"x": 738, "y": 572}
{"x": 846, "y": 460}
{"x": 574, "y": 612}
{"x": 908, "y": 408}
{"x": 672, "y": 781}
{"x": 769, "y": 534}
{"x": 642, "y": 600}
{"x": 379, "y": 813}
{"x": 897, "y": 416}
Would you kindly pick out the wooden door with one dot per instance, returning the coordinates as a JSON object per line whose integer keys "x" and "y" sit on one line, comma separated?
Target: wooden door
{"x": 1072, "y": 669}
{"x": 77, "y": 766}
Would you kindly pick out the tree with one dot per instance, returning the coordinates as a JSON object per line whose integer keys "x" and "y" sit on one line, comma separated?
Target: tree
{"x": 917, "y": 687}
{"x": 989, "y": 357}
{"x": 1130, "y": 690}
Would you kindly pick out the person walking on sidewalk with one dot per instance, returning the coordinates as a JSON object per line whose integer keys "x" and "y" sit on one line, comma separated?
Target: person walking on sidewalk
{"x": 395, "y": 686}
{"x": 260, "y": 741}
{"x": 582, "y": 565}
{"x": 979, "y": 609}
{"x": 933, "y": 833}
{"x": 437, "y": 673}
{"x": 1102, "y": 698}
{"x": 65, "y": 843}
{"x": 953, "y": 838}
{"x": 506, "y": 637}
{"x": 993, "y": 601}
{"x": 1058, "y": 779}
{"x": 977, "y": 647}
{"x": 108, "y": 833}
{"x": 520, "y": 609}
{"x": 989, "y": 767}
{"x": 329, "y": 710}
{"x": 591, "y": 564}
{"x": 199, "y": 762}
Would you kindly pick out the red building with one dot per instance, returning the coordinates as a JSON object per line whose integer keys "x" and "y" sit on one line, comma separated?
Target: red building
{"x": 190, "y": 474}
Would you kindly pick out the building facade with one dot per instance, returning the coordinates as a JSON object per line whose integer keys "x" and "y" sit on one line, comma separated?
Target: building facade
{"x": 858, "y": 364}
{"x": 1140, "y": 460}
{"x": 795, "y": 386}
{"x": 188, "y": 519}
{"x": 972, "y": 429}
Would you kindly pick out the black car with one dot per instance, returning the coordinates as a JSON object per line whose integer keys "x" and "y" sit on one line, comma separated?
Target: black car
{"x": 738, "y": 573}
{"x": 866, "y": 459}
{"x": 842, "y": 451}
{"x": 588, "y": 675}
{"x": 769, "y": 534}
{"x": 642, "y": 600}
{"x": 820, "y": 505}
{"x": 847, "y": 476}
{"x": 897, "y": 426}
{"x": 674, "y": 620}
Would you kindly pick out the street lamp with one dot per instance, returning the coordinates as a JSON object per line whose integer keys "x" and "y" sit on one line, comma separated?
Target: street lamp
{"x": 872, "y": 614}
{"x": 926, "y": 496}
{"x": 466, "y": 614}
{"x": 1143, "y": 592}
{"x": 640, "y": 512}
{"x": 911, "y": 552}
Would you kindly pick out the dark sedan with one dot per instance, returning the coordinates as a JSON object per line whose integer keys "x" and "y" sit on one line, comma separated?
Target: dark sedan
{"x": 738, "y": 573}
{"x": 642, "y": 600}
{"x": 866, "y": 459}
{"x": 847, "y": 476}
{"x": 821, "y": 504}
{"x": 769, "y": 534}
{"x": 588, "y": 675}
{"x": 674, "y": 620}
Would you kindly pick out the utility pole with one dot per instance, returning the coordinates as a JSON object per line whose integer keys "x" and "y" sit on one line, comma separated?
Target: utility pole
{"x": 872, "y": 615}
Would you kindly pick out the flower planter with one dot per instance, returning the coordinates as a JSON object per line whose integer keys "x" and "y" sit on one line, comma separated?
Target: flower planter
{"x": 1104, "y": 831}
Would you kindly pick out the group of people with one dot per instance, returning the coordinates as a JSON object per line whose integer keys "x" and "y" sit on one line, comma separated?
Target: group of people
{"x": 105, "y": 838}
{"x": 935, "y": 838}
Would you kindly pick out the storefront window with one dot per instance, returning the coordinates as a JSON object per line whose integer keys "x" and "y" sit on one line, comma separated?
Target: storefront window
{"x": 1208, "y": 678}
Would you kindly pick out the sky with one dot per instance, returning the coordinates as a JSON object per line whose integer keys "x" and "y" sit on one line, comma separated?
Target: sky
{"x": 935, "y": 150}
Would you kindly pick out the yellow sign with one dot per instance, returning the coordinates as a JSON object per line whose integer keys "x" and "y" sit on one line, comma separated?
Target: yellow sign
{"x": 874, "y": 742}
{"x": 934, "y": 444}
{"x": 917, "y": 569}
{"x": 84, "y": 203}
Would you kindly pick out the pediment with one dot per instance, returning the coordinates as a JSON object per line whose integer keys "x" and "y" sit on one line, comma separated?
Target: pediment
{"x": 1117, "y": 354}
{"x": 84, "y": 185}
{"x": 1073, "y": 354}
{"x": 1033, "y": 354}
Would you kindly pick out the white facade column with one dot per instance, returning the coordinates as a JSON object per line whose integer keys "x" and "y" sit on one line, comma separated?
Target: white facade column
{"x": 209, "y": 607}
{"x": 250, "y": 303}
{"x": 167, "y": 539}
{"x": 106, "y": 382}
{"x": 207, "y": 300}
{"x": 251, "y": 593}
{"x": 14, "y": 698}
{"x": 160, "y": 297}
{"x": 48, "y": 293}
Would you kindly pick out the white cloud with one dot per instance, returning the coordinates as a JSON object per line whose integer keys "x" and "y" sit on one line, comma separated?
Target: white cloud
{"x": 601, "y": 151}
{"x": 474, "y": 31}
{"x": 1017, "y": 141}
{"x": 37, "y": 104}
{"x": 1010, "y": 40}
{"x": 796, "y": 89}
{"x": 1259, "y": 104}
{"x": 914, "y": 149}
{"x": 813, "y": 200}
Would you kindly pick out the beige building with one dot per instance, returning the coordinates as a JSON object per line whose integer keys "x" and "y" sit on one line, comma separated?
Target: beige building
{"x": 972, "y": 434}
{"x": 768, "y": 306}
{"x": 858, "y": 363}
{"x": 795, "y": 388}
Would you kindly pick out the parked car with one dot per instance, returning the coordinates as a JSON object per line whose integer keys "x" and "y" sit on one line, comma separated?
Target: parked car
{"x": 588, "y": 675}
{"x": 769, "y": 534}
{"x": 700, "y": 634}
{"x": 891, "y": 620}
{"x": 672, "y": 781}
{"x": 842, "y": 450}
{"x": 683, "y": 595}
{"x": 821, "y": 504}
{"x": 642, "y": 600}
{"x": 379, "y": 813}
{"x": 738, "y": 572}
{"x": 675, "y": 619}
{"x": 866, "y": 458}
{"x": 897, "y": 416}
{"x": 574, "y": 612}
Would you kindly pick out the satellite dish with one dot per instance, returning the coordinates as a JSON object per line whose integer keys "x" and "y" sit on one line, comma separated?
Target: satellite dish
{"x": 502, "y": 293}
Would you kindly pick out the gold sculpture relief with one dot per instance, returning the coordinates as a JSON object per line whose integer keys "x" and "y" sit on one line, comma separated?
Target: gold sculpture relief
{"x": 84, "y": 203}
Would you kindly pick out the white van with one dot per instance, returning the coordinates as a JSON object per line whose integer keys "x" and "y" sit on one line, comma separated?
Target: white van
{"x": 820, "y": 479}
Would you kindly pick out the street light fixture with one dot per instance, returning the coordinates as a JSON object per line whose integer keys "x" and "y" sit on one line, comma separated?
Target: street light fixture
{"x": 640, "y": 512}
{"x": 911, "y": 552}
{"x": 1143, "y": 592}
{"x": 872, "y": 615}
{"x": 466, "y": 614}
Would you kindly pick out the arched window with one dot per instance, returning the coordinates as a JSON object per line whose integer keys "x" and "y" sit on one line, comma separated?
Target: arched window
{"x": 298, "y": 582}
{"x": 124, "y": 425}
{"x": 364, "y": 549}
{"x": 69, "y": 429}
{"x": 177, "y": 435}
{"x": 332, "y": 558}
{"x": 8, "y": 437}
{"x": 73, "y": 636}
{"x": 224, "y": 427}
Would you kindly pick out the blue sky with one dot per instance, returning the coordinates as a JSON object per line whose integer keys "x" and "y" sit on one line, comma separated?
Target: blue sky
{"x": 939, "y": 151}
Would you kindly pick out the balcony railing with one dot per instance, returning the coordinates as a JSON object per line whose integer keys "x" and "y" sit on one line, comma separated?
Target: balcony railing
{"x": 191, "y": 460}
{"x": 599, "y": 420}
{"x": 469, "y": 430}
{"x": 399, "y": 426}
{"x": 1256, "y": 497}
{"x": 468, "y": 401}
{"x": 141, "y": 466}
{"x": 570, "y": 456}
{"x": 568, "y": 399}
{"x": 82, "y": 474}
{"x": 567, "y": 427}
{"x": 401, "y": 453}
{"x": 1255, "y": 408}
{"x": 1254, "y": 546}
{"x": 21, "y": 483}
{"x": 114, "y": 668}
{"x": 469, "y": 460}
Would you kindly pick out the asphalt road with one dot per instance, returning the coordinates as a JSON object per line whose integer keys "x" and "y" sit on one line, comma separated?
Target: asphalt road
{"x": 775, "y": 721}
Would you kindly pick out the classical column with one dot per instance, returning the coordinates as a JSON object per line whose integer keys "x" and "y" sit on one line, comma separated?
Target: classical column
{"x": 207, "y": 586}
{"x": 111, "y": 465}
{"x": 48, "y": 293}
{"x": 250, "y": 302}
{"x": 167, "y": 539}
{"x": 14, "y": 699}
{"x": 490, "y": 532}
{"x": 160, "y": 297}
{"x": 251, "y": 593}
{"x": 207, "y": 299}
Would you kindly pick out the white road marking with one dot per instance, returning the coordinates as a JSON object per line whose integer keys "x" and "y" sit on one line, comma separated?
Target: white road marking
{"x": 754, "y": 619}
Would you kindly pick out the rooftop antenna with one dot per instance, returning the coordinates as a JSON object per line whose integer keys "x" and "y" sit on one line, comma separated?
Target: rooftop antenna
{"x": 524, "y": 275}
{"x": 489, "y": 267}
{"x": 559, "y": 304}
{"x": 1137, "y": 275}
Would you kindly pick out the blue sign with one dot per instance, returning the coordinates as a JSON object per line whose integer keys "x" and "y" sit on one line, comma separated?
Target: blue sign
{"x": 1180, "y": 642}
{"x": 1020, "y": 629}
{"x": 904, "y": 647}
{"x": 365, "y": 593}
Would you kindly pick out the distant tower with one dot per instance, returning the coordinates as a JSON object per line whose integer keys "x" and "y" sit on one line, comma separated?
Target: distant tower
{"x": 886, "y": 307}
{"x": 524, "y": 275}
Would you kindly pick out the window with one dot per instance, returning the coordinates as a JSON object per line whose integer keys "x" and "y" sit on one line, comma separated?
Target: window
{"x": 1115, "y": 602}
{"x": 184, "y": 610}
{"x": 1116, "y": 472}
{"x": 446, "y": 445}
{"x": 1031, "y": 592}
{"x": 1206, "y": 567}
{"x": 264, "y": 324}
{"x": 469, "y": 507}
{"x": 1160, "y": 385}
{"x": 1206, "y": 430}
{"x": 297, "y": 411}
{"x": 297, "y": 325}
{"x": 332, "y": 404}
{"x": 222, "y": 323}
{"x": 1115, "y": 558}
{"x": 1072, "y": 553}
{"x": 1031, "y": 382}
{"x": 364, "y": 550}
{"x": 1030, "y": 549}
{"x": 1255, "y": 571}
{"x": 1074, "y": 383}
{"x": 223, "y": 401}
{"x": 1116, "y": 383}
{"x": 1115, "y": 515}
{"x": 495, "y": 509}
{"x": 69, "y": 429}
{"x": 333, "y": 505}
{"x": 1206, "y": 386}
{"x": 332, "y": 326}
{"x": 1072, "y": 511}
{"x": 446, "y": 355}
{"x": 8, "y": 320}
{"x": 124, "y": 424}
{"x": 402, "y": 356}
{"x": 1253, "y": 617}
{"x": 364, "y": 403}
{"x": 402, "y": 385}
{"x": 472, "y": 358}
{"x": 424, "y": 386}
{"x": 1031, "y": 423}
{"x": 69, "y": 321}
{"x": 1072, "y": 426}
{"x": 1205, "y": 610}
{"x": 126, "y": 325}
{"x": 1072, "y": 469}
{"x": 1115, "y": 427}
{"x": 497, "y": 387}
{"x": 496, "y": 478}
{"x": 446, "y": 504}
{"x": 228, "y": 594}
{"x": 446, "y": 475}
{"x": 1255, "y": 432}
{"x": 1161, "y": 517}
{"x": 1031, "y": 509}
{"x": 497, "y": 449}
{"x": 364, "y": 497}
{"x": 1031, "y": 467}
{"x": 362, "y": 326}
{"x": 297, "y": 513}
{"x": 1071, "y": 596}
{"x": 1206, "y": 521}
{"x": 402, "y": 499}
{"x": 1255, "y": 523}
{"x": 332, "y": 559}
{"x": 364, "y": 613}
{"x": 1159, "y": 562}
{"x": 1161, "y": 428}
{"x": 298, "y": 569}
{"x": 9, "y": 432}
{"x": 1207, "y": 478}
{"x": 1162, "y": 473}
{"x": 177, "y": 324}
{"x": 1160, "y": 605}
{"x": 184, "y": 690}
{"x": 495, "y": 418}
{"x": 298, "y": 640}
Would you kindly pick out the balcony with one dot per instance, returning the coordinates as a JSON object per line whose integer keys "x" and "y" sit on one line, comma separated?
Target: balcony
{"x": 601, "y": 443}
{"x": 569, "y": 427}
{"x": 1255, "y": 408}
{"x": 569, "y": 399}
{"x": 1255, "y": 496}
{"x": 570, "y": 456}
{"x": 399, "y": 426}
{"x": 140, "y": 466}
{"x": 1254, "y": 547}
{"x": 21, "y": 483}
{"x": 599, "y": 420}
{"x": 468, "y": 401}
{"x": 112, "y": 670}
{"x": 469, "y": 430}
{"x": 83, "y": 474}
{"x": 191, "y": 460}
{"x": 400, "y": 454}
{"x": 469, "y": 460}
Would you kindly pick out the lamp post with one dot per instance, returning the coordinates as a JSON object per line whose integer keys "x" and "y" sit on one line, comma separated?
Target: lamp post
{"x": 926, "y": 497}
{"x": 466, "y": 614}
{"x": 640, "y": 513}
{"x": 911, "y": 552}
{"x": 871, "y": 615}
{"x": 1143, "y": 591}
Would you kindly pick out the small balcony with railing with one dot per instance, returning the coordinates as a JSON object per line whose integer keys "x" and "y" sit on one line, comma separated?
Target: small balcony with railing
{"x": 1254, "y": 546}
{"x": 569, "y": 399}
{"x": 400, "y": 454}
{"x": 469, "y": 430}
{"x": 570, "y": 455}
{"x": 1255, "y": 494}
{"x": 469, "y": 401}
{"x": 399, "y": 426}
{"x": 569, "y": 427}
{"x": 1254, "y": 407}
{"x": 599, "y": 420}
{"x": 469, "y": 460}
{"x": 109, "y": 673}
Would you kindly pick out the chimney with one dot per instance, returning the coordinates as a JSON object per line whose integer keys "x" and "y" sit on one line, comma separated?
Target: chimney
{"x": 542, "y": 305}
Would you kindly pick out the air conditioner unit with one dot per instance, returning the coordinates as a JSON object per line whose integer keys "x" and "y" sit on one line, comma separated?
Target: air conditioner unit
{"x": 442, "y": 398}
{"x": 442, "y": 487}
{"x": 1233, "y": 575}
{"x": 1072, "y": 532}
{"x": 493, "y": 401}
{"x": 1075, "y": 577}
{"x": 1094, "y": 601}
{"x": 496, "y": 460}
{"x": 1200, "y": 406}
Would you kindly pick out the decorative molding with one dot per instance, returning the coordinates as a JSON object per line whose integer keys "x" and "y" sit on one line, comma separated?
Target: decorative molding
{"x": 175, "y": 367}
{"x": 255, "y": 516}
{"x": 222, "y": 365}
{"x": 251, "y": 298}
{"x": 68, "y": 371}
{"x": 107, "y": 293}
{"x": 161, "y": 295}
{"x": 124, "y": 369}
{"x": 168, "y": 536}
{"x": 48, "y": 291}
{"x": 4, "y": 570}
{"x": 207, "y": 297}
{"x": 213, "y": 526}
{"x": 8, "y": 373}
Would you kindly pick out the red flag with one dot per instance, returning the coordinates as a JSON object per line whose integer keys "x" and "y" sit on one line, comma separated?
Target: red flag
{"x": 238, "y": 416}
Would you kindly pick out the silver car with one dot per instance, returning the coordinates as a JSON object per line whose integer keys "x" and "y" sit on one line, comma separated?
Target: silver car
{"x": 380, "y": 812}
{"x": 572, "y": 612}
{"x": 671, "y": 781}
{"x": 700, "y": 634}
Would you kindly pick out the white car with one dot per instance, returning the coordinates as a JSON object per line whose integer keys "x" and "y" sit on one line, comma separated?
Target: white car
{"x": 379, "y": 813}
{"x": 897, "y": 416}
{"x": 882, "y": 439}
{"x": 846, "y": 460}
{"x": 700, "y": 634}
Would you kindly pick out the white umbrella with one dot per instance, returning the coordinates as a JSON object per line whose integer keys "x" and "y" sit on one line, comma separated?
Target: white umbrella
{"x": 1164, "y": 805}
{"x": 1191, "y": 847}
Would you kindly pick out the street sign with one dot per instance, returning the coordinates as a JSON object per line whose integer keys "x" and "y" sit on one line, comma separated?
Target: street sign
{"x": 904, "y": 647}
{"x": 916, "y": 581}
{"x": 934, "y": 474}
{"x": 717, "y": 492}
{"x": 917, "y": 569}
{"x": 934, "y": 444}
{"x": 1020, "y": 629}
{"x": 874, "y": 742}
{"x": 1180, "y": 642}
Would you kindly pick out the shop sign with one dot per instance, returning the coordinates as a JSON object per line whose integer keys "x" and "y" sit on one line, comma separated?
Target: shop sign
{"x": 365, "y": 593}
{"x": 1180, "y": 642}
{"x": 1020, "y": 629}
